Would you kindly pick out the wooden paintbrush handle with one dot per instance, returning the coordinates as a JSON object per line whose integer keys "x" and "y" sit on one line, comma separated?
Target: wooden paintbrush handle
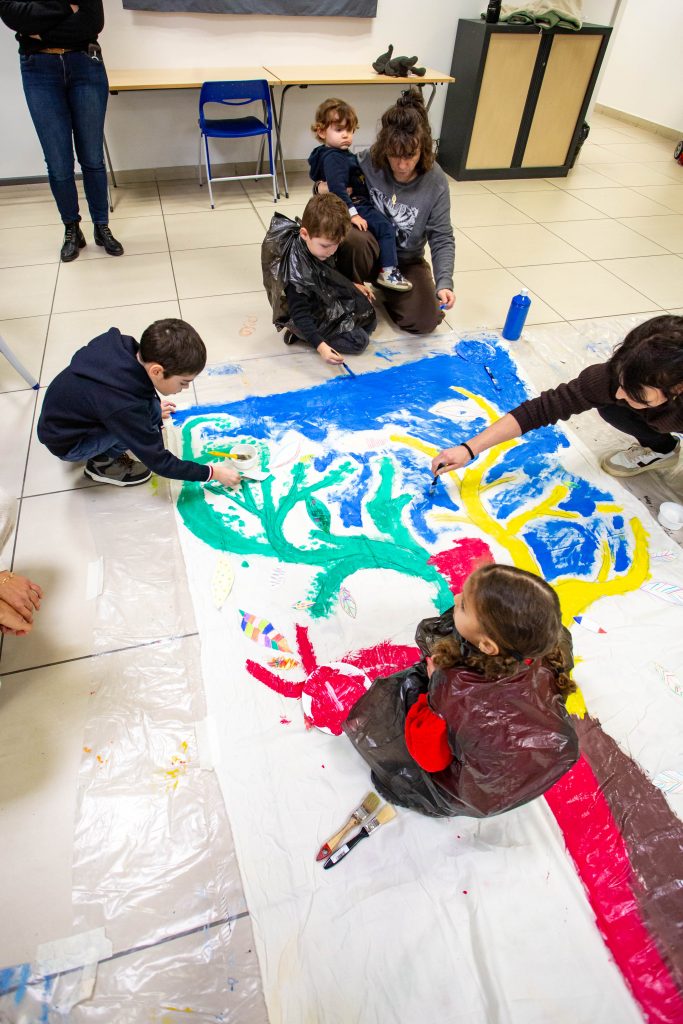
{"x": 334, "y": 842}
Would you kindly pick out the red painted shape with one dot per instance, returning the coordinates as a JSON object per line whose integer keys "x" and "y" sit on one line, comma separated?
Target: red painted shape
{"x": 333, "y": 693}
{"x": 282, "y": 686}
{"x": 601, "y": 858}
{"x": 306, "y": 653}
{"x": 383, "y": 659}
{"x": 457, "y": 563}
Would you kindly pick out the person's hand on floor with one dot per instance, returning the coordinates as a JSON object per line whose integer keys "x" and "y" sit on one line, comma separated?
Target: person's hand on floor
{"x": 11, "y": 622}
{"x": 20, "y": 594}
{"x": 327, "y": 353}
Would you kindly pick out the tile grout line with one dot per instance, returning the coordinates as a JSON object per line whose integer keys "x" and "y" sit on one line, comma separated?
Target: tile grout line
{"x": 101, "y": 654}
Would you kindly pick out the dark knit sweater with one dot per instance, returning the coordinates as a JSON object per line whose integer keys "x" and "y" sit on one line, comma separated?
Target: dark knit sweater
{"x": 592, "y": 389}
{"x": 54, "y": 21}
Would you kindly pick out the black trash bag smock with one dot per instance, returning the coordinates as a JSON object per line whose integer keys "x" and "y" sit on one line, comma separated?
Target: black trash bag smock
{"x": 285, "y": 260}
{"x": 511, "y": 737}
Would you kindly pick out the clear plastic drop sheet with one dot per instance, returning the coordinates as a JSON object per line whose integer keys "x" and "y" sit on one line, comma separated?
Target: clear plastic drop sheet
{"x": 153, "y": 857}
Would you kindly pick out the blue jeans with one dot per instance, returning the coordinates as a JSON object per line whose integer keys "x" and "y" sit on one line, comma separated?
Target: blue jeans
{"x": 67, "y": 97}
{"x": 100, "y": 443}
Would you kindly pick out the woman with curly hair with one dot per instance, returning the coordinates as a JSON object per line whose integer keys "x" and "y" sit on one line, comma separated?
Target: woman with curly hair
{"x": 408, "y": 187}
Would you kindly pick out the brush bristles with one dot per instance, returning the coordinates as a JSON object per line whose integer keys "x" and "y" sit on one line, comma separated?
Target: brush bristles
{"x": 386, "y": 814}
{"x": 371, "y": 803}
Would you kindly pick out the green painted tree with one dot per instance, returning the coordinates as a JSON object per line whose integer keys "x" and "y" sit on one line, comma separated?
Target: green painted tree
{"x": 256, "y": 523}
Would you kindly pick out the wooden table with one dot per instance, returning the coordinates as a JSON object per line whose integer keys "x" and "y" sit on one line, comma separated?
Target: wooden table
{"x": 286, "y": 76}
{"x": 290, "y": 76}
{"x": 139, "y": 79}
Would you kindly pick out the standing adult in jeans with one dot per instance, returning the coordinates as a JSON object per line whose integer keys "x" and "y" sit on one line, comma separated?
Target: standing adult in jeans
{"x": 408, "y": 187}
{"x": 66, "y": 89}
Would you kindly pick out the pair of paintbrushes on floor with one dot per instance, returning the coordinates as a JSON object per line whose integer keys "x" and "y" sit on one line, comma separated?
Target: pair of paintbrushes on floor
{"x": 365, "y": 812}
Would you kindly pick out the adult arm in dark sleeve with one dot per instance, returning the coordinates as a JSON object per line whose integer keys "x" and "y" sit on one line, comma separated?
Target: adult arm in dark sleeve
{"x": 134, "y": 428}
{"x": 301, "y": 315}
{"x": 589, "y": 390}
{"x": 34, "y": 16}
{"x": 84, "y": 26}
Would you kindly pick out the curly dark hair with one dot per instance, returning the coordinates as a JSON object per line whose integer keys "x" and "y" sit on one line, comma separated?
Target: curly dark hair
{"x": 651, "y": 355}
{"x": 520, "y": 612}
{"x": 334, "y": 111}
{"x": 404, "y": 132}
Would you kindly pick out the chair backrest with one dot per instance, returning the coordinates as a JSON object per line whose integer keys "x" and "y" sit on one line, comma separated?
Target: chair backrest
{"x": 236, "y": 94}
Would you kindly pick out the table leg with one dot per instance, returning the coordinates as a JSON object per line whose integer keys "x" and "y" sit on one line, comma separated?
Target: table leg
{"x": 277, "y": 119}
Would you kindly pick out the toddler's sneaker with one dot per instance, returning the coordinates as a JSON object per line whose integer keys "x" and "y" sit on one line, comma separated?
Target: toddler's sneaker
{"x": 122, "y": 472}
{"x": 636, "y": 459}
{"x": 394, "y": 280}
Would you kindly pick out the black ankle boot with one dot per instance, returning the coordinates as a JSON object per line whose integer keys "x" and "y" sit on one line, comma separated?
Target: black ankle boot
{"x": 103, "y": 236}
{"x": 74, "y": 241}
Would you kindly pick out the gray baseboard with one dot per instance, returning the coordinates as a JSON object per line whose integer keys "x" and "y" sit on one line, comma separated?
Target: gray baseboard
{"x": 183, "y": 172}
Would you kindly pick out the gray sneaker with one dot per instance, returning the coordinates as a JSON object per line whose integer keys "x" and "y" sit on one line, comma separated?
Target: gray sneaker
{"x": 122, "y": 472}
{"x": 636, "y": 459}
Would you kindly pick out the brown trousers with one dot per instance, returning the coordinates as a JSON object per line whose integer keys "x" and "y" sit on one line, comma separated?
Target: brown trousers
{"x": 416, "y": 311}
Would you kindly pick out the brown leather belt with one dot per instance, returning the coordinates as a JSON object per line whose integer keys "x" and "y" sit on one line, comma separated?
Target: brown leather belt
{"x": 55, "y": 49}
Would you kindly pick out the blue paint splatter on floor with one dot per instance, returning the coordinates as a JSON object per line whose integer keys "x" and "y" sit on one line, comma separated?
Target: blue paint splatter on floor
{"x": 224, "y": 369}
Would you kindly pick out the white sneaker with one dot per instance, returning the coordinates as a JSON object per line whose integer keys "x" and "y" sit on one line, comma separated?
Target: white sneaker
{"x": 394, "y": 280}
{"x": 636, "y": 459}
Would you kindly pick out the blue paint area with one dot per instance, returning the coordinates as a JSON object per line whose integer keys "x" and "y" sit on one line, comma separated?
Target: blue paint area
{"x": 386, "y": 353}
{"x": 15, "y": 979}
{"x": 409, "y": 399}
{"x": 223, "y": 369}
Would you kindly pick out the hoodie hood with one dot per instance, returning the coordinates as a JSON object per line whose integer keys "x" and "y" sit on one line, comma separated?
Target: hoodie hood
{"x": 111, "y": 359}
{"x": 315, "y": 163}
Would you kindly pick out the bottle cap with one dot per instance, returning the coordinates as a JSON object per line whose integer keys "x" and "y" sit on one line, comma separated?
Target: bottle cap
{"x": 523, "y": 291}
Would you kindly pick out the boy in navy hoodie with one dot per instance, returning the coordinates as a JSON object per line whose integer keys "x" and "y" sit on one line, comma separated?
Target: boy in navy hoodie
{"x": 105, "y": 403}
{"x": 333, "y": 163}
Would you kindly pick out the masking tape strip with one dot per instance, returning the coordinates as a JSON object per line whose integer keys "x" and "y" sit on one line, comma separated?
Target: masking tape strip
{"x": 94, "y": 581}
{"x": 84, "y": 949}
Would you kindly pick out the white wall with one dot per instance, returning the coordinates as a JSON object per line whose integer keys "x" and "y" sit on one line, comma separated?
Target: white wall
{"x": 643, "y": 74}
{"x": 158, "y": 129}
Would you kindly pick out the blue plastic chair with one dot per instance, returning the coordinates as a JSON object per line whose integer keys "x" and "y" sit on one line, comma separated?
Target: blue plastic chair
{"x": 237, "y": 94}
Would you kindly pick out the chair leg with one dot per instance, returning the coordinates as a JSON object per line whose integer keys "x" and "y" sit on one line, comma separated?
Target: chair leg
{"x": 199, "y": 161}
{"x": 208, "y": 170}
{"x": 273, "y": 168}
{"x": 259, "y": 162}
{"x": 6, "y": 351}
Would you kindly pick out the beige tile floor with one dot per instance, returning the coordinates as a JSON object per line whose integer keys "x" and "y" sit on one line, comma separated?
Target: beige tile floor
{"x": 601, "y": 243}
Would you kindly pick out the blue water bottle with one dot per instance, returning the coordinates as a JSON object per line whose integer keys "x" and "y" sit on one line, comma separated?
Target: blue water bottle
{"x": 514, "y": 322}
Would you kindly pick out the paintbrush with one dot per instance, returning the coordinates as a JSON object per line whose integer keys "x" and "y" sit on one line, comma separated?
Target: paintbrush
{"x": 384, "y": 815}
{"x": 364, "y": 810}
{"x": 228, "y": 455}
{"x": 432, "y": 486}
{"x": 348, "y": 370}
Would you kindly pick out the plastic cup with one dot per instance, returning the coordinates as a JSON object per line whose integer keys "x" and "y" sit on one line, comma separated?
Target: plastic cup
{"x": 671, "y": 515}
